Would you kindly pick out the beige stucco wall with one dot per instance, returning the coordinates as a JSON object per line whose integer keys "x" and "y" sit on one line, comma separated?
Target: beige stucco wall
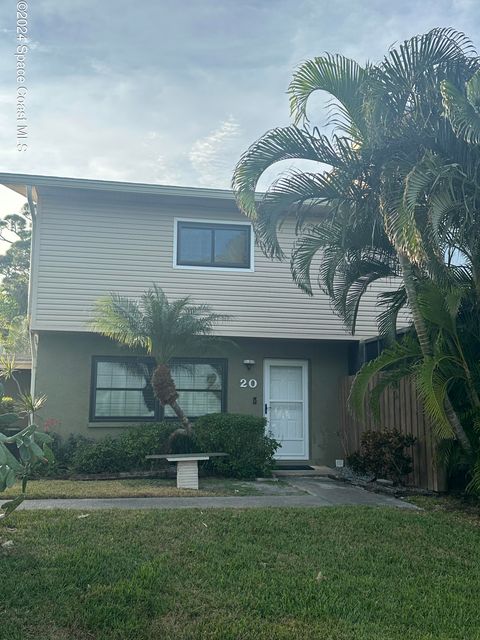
{"x": 64, "y": 371}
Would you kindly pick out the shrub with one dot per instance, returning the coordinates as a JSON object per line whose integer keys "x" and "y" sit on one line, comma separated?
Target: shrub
{"x": 182, "y": 443}
{"x": 250, "y": 451}
{"x": 382, "y": 454}
{"x": 7, "y": 405}
{"x": 64, "y": 452}
{"x": 125, "y": 453}
{"x": 104, "y": 456}
{"x": 144, "y": 440}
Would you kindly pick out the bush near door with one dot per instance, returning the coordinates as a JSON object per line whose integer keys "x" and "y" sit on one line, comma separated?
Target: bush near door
{"x": 250, "y": 450}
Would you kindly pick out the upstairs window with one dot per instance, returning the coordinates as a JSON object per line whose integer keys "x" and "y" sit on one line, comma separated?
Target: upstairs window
{"x": 213, "y": 245}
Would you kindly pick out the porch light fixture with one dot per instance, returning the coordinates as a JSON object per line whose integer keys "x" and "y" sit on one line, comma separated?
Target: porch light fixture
{"x": 249, "y": 363}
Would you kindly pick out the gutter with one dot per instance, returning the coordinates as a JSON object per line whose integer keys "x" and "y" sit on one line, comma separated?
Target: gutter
{"x": 33, "y": 336}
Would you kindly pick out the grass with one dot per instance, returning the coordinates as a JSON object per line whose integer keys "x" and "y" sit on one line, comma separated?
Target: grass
{"x": 145, "y": 488}
{"x": 460, "y": 505}
{"x": 350, "y": 573}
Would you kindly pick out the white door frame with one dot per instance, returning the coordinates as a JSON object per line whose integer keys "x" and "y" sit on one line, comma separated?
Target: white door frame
{"x": 266, "y": 402}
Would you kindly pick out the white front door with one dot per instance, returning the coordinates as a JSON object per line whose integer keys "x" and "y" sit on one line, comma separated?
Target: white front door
{"x": 286, "y": 406}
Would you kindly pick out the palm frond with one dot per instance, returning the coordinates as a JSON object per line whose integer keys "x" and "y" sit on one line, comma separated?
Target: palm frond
{"x": 399, "y": 222}
{"x": 154, "y": 324}
{"x": 421, "y": 180}
{"x": 296, "y": 197}
{"x": 354, "y": 278}
{"x": 383, "y": 382}
{"x": 342, "y": 79}
{"x": 463, "y": 108}
{"x": 387, "y": 320}
{"x": 121, "y": 319}
{"x": 410, "y": 69}
{"x": 279, "y": 144}
{"x": 405, "y": 352}
{"x": 474, "y": 484}
{"x": 433, "y": 387}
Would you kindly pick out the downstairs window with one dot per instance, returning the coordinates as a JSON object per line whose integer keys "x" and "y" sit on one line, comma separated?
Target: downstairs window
{"x": 200, "y": 386}
{"x": 121, "y": 389}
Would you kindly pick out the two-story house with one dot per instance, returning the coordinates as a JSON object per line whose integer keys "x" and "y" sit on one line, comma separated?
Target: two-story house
{"x": 92, "y": 238}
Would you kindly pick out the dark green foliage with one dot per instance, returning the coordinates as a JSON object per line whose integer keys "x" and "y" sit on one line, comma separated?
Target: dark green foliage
{"x": 125, "y": 453}
{"x": 8, "y": 417}
{"x": 382, "y": 454}
{"x": 250, "y": 450}
{"x": 63, "y": 452}
{"x": 181, "y": 442}
{"x": 7, "y": 405}
{"x": 104, "y": 456}
{"x": 147, "y": 439}
{"x": 15, "y": 266}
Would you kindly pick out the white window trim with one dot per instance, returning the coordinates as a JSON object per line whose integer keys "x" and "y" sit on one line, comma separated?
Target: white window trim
{"x": 251, "y": 269}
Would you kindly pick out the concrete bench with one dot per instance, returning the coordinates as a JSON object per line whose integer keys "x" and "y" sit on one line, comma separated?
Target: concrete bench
{"x": 187, "y": 466}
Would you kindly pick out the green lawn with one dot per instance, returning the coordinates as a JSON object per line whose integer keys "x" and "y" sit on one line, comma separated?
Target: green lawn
{"x": 353, "y": 573}
{"x": 146, "y": 488}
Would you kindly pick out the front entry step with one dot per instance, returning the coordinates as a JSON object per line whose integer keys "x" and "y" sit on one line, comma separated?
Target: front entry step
{"x": 313, "y": 471}
{"x": 293, "y": 467}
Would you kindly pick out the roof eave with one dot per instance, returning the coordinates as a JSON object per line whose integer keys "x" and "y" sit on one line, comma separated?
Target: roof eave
{"x": 18, "y": 182}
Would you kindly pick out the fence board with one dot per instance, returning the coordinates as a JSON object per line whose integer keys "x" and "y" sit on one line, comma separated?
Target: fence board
{"x": 401, "y": 409}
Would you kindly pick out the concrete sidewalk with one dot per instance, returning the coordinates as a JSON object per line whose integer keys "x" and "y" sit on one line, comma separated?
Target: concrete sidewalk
{"x": 318, "y": 493}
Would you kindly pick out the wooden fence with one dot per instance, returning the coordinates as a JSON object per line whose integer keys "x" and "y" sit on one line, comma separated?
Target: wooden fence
{"x": 400, "y": 409}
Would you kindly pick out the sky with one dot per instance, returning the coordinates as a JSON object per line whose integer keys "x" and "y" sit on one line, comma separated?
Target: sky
{"x": 172, "y": 92}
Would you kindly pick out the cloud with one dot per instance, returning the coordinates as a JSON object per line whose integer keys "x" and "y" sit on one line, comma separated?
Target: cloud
{"x": 109, "y": 98}
{"x": 213, "y": 157}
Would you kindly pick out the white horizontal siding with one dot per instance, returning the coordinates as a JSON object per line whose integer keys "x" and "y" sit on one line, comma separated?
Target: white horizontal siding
{"x": 91, "y": 243}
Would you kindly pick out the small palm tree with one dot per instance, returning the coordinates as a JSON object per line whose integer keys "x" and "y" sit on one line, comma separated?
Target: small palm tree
{"x": 155, "y": 326}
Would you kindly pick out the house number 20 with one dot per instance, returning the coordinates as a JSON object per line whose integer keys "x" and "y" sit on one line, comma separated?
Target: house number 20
{"x": 244, "y": 383}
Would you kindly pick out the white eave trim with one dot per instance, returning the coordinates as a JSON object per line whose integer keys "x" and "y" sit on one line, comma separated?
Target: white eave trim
{"x": 20, "y": 180}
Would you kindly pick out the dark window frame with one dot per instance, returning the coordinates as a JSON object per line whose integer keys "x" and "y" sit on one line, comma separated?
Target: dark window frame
{"x": 159, "y": 413}
{"x": 223, "y": 364}
{"x": 94, "y": 389}
{"x": 212, "y": 226}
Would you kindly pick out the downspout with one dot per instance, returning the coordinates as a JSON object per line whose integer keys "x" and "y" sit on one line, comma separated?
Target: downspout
{"x": 33, "y": 335}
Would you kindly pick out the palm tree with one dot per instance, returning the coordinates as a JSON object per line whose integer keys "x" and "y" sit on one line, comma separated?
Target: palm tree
{"x": 462, "y": 105}
{"x": 155, "y": 326}
{"x": 384, "y": 119}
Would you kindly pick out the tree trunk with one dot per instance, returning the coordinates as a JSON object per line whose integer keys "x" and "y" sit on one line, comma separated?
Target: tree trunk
{"x": 187, "y": 425}
{"x": 426, "y": 347}
{"x": 165, "y": 391}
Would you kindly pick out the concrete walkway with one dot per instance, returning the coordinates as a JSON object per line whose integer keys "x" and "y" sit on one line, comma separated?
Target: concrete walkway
{"x": 319, "y": 492}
